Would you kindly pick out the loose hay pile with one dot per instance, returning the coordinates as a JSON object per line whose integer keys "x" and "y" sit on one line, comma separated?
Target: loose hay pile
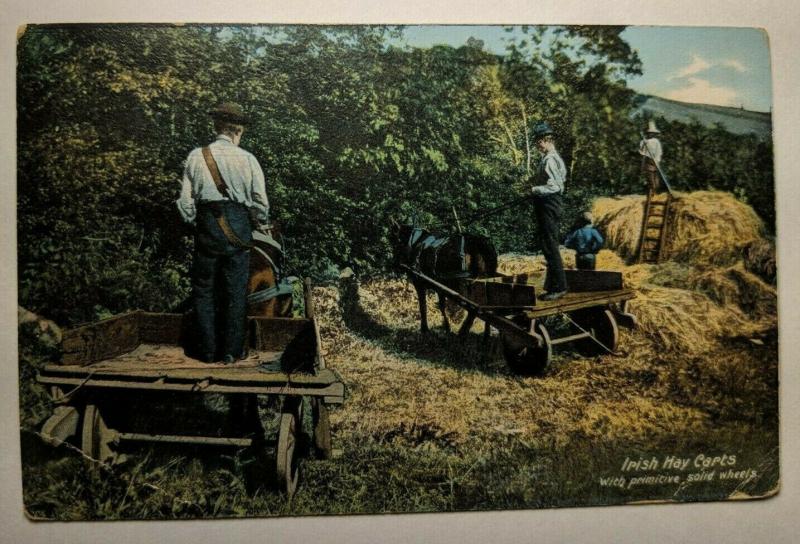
{"x": 708, "y": 289}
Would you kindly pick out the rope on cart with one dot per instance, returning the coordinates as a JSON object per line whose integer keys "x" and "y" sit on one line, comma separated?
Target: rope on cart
{"x": 65, "y": 397}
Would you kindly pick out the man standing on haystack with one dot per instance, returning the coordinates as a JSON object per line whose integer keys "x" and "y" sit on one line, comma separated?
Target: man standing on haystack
{"x": 547, "y": 190}
{"x": 223, "y": 187}
{"x": 650, "y": 150}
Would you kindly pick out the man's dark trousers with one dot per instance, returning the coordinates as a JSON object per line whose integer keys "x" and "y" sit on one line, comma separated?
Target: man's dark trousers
{"x": 548, "y": 216}
{"x": 585, "y": 261}
{"x": 219, "y": 280}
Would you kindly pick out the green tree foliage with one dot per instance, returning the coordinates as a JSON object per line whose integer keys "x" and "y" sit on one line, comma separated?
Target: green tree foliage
{"x": 353, "y": 133}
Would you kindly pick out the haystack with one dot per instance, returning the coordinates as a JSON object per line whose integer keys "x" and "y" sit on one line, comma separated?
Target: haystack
{"x": 759, "y": 258}
{"x": 706, "y": 227}
{"x": 620, "y": 221}
{"x": 686, "y": 321}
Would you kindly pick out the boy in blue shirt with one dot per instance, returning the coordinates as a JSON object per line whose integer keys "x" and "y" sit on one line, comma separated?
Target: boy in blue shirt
{"x": 586, "y": 241}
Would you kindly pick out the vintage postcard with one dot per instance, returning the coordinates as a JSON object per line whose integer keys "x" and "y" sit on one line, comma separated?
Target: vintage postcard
{"x": 278, "y": 270}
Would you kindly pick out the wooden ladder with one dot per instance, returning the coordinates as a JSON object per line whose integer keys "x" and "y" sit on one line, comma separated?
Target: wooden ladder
{"x": 654, "y": 227}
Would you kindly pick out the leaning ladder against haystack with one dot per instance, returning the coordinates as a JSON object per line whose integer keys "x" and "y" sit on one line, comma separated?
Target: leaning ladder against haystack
{"x": 654, "y": 227}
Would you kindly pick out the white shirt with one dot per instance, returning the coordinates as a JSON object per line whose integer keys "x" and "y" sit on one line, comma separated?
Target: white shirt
{"x": 551, "y": 176}
{"x": 239, "y": 169}
{"x": 654, "y": 148}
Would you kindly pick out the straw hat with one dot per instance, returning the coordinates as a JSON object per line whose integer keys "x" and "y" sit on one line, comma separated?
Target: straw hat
{"x": 651, "y": 127}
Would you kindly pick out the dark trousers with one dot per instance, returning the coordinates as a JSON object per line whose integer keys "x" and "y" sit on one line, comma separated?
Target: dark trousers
{"x": 548, "y": 217}
{"x": 585, "y": 261}
{"x": 650, "y": 172}
{"x": 219, "y": 281}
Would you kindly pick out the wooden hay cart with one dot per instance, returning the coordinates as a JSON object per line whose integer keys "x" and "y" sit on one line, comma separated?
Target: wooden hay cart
{"x": 118, "y": 364}
{"x": 594, "y": 307}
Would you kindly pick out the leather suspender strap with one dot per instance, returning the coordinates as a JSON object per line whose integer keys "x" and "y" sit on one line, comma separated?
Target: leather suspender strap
{"x": 222, "y": 187}
{"x": 230, "y": 235}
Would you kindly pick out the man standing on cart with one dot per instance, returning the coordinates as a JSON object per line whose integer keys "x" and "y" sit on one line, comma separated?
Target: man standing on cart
{"x": 547, "y": 190}
{"x": 223, "y": 189}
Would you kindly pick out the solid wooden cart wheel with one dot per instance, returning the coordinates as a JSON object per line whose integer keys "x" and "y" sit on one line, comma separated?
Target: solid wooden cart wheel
{"x": 286, "y": 466}
{"x": 322, "y": 428}
{"x": 524, "y": 359}
{"x": 96, "y": 437}
{"x": 603, "y": 326}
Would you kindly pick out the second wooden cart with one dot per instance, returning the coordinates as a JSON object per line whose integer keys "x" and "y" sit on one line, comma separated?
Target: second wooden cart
{"x": 594, "y": 307}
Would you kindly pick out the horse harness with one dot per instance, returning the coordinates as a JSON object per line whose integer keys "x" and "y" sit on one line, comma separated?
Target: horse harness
{"x": 284, "y": 287}
{"x": 424, "y": 252}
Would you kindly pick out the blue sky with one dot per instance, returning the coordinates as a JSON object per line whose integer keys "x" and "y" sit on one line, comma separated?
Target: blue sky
{"x": 723, "y": 66}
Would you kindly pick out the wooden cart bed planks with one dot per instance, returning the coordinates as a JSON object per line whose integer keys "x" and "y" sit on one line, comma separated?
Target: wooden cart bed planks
{"x": 139, "y": 352}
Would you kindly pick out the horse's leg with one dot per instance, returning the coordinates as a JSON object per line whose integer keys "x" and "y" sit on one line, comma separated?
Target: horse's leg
{"x": 442, "y": 307}
{"x": 423, "y": 306}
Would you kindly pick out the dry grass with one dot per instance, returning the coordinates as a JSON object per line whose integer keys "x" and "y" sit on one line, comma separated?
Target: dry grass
{"x": 735, "y": 286}
{"x": 759, "y": 258}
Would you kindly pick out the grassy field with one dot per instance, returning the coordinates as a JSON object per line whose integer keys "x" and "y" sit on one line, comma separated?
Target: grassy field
{"x": 433, "y": 422}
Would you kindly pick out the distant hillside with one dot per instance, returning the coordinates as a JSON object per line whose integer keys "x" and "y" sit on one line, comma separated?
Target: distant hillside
{"x": 735, "y": 120}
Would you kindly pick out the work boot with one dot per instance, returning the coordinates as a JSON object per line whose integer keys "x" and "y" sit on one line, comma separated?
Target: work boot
{"x": 229, "y": 359}
{"x": 553, "y": 295}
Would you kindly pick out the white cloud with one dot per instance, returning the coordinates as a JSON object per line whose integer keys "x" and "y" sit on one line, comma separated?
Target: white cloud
{"x": 702, "y": 91}
{"x": 697, "y": 65}
{"x": 735, "y": 64}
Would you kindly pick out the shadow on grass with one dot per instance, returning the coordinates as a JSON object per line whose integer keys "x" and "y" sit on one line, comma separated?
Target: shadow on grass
{"x": 437, "y": 346}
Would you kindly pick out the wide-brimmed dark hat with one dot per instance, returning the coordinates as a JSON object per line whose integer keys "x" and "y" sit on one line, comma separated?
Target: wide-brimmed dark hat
{"x": 230, "y": 112}
{"x": 542, "y": 129}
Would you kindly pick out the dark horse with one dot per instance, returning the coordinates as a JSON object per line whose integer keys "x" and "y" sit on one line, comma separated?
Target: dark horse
{"x": 450, "y": 258}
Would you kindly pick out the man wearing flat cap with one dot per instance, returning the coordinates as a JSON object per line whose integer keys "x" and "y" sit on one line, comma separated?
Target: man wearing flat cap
{"x": 547, "y": 190}
{"x": 222, "y": 190}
